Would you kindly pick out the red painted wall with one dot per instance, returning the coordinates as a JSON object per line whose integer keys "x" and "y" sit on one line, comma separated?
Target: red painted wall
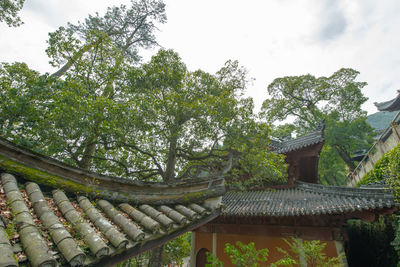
{"x": 260, "y": 241}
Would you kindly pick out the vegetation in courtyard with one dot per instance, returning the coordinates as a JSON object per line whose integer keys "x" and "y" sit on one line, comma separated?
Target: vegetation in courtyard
{"x": 175, "y": 251}
{"x": 371, "y": 243}
{"x": 383, "y": 235}
{"x": 311, "y": 252}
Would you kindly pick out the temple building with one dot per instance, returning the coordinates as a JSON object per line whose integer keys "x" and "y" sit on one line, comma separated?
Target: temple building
{"x": 387, "y": 140}
{"x": 57, "y": 215}
{"x": 301, "y": 209}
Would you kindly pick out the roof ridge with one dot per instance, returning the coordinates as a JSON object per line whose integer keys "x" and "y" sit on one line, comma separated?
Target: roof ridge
{"x": 371, "y": 192}
{"x": 48, "y": 171}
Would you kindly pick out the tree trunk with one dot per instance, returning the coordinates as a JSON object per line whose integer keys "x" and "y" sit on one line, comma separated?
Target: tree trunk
{"x": 171, "y": 161}
{"x": 156, "y": 257}
{"x": 86, "y": 160}
{"x": 346, "y": 158}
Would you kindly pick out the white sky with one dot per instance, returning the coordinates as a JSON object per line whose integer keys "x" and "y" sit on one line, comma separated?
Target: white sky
{"x": 271, "y": 38}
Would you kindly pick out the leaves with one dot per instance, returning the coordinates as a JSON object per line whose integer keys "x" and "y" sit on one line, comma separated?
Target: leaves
{"x": 9, "y": 12}
{"x": 312, "y": 252}
{"x": 246, "y": 255}
{"x": 177, "y": 249}
{"x": 337, "y": 100}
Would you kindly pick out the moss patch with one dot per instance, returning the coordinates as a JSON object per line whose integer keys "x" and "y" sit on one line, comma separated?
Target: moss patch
{"x": 41, "y": 177}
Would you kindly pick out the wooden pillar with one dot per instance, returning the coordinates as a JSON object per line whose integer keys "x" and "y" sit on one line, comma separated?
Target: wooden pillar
{"x": 302, "y": 257}
{"x": 214, "y": 243}
{"x": 340, "y": 250}
{"x": 193, "y": 250}
{"x": 338, "y": 236}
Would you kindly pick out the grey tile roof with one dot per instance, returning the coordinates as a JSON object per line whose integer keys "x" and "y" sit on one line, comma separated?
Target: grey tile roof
{"x": 309, "y": 139}
{"x": 52, "y": 229}
{"x": 391, "y": 105}
{"x": 305, "y": 199}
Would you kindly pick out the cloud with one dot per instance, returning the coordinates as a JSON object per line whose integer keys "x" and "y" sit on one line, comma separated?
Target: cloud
{"x": 46, "y": 11}
{"x": 332, "y": 22}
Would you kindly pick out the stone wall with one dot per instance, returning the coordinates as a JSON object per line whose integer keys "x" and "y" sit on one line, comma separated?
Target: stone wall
{"x": 386, "y": 142}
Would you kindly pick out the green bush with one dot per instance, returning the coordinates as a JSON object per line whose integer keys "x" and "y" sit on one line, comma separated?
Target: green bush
{"x": 388, "y": 166}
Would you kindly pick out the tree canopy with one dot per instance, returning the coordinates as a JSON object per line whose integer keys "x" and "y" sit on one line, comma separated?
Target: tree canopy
{"x": 106, "y": 111}
{"x": 70, "y": 114}
{"x": 9, "y": 12}
{"x": 337, "y": 99}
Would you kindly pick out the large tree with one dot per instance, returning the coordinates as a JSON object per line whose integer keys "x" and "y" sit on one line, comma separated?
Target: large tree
{"x": 194, "y": 123}
{"x": 337, "y": 99}
{"x": 103, "y": 110}
{"x": 78, "y": 106}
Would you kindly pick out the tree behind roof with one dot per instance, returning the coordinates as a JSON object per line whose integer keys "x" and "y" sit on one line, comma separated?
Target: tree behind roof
{"x": 338, "y": 100}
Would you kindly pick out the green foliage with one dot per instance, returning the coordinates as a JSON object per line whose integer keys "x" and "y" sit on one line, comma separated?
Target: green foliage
{"x": 246, "y": 255}
{"x": 370, "y": 242}
{"x": 388, "y": 166}
{"x": 138, "y": 261}
{"x": 309, "y": 100}
{"x": 177, "y": 249}
{"x": 284, "y": 131}
{"x": 161, "y": 122}
{"x": 76, "y": 113}
{"x": 331, "y": 168}
{"x": 342, "y": 137}
{"x": 194, "y": 121}
{"x": 9, "y": 12}
{"x": 312, "y": 251}
{"x": 393, "y": 169}
{"x": 213, "y": 261}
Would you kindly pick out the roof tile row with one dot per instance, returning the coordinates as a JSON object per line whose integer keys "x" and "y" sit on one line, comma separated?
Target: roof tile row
{"x": 81, "y": 232}
{"x": 309, "y": 139}
{"x": 305, "y": 199}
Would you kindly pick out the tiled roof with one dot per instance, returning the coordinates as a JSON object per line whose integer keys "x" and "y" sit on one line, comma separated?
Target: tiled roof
{"x": 53, "y": 229}
{"x": 305, "y": 199}
{"x": 47, "y": 171}
{"x": 391, "y": 105}
{"x": 309, "y": 139}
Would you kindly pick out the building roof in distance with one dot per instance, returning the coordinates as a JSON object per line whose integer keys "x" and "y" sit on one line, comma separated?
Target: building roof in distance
{"x": 391, "y": 105}
{"x": 286, "y": 146}
{"x": 305, "y": 199}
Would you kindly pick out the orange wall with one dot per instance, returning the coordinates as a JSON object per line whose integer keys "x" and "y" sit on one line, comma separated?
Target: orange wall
{"x": 205, "y": 240}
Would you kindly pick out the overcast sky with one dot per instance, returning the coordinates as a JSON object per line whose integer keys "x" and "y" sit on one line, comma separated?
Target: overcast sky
{"x": 271, "y": 38}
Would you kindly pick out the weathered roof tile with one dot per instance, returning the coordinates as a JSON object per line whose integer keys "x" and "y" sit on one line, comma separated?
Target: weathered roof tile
{"x": 391, "y": 105}
{"x": 90, "y": 237}
{"x": 305, "y": 199}
{"x": 309, "y": 139}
